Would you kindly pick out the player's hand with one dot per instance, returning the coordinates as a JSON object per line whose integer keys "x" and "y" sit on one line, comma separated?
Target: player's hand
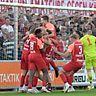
{"x": 56, "y": 72}
{"x": 49, "y": 32}
{"x": 45, "y": 36}
{"x": 54, "y": 48}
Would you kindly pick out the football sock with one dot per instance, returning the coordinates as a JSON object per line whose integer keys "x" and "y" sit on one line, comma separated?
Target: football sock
{"x": 26, "y": 80}
{"x": 35, "y": 81}
{"x": 90, "y": 77}
{"x": 22, "y": 80}
{"x": 70, "y": 79}
{"x": 63, "y": 77}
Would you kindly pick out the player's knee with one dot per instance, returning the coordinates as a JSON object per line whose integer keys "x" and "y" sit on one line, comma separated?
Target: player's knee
{"x": 94, "y": 68}
{"x": 61, "y": 71}
{"x": 45, "y": 71}
{"x": 24, "y": 72}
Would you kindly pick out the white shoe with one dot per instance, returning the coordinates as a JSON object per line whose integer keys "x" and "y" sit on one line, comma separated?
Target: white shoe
{"x": 44, "y": 90}
{"x": 24, "y": 88}
{"x": 66, "y": 87}
{"x": 71, "y": 89}
{"x": 36, "y": 90}
{"x": 20, "y": 89}
{"x": 91, "y": 86}
{"x": 33, "y": 90}
{"x": 30, "y": 91}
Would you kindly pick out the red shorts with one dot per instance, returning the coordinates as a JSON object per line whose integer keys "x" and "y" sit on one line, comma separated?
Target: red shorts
{"x": 36, "y": 62}
{"x": 24, "y": 60}
{"x": 47, "y": 62}
{"x": 72, "y": 66}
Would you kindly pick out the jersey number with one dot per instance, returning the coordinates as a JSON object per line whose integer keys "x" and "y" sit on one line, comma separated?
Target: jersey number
{"x": 89, "y": 42}
{"x": 31, "y": 46}
{"x": 80, "y": 50}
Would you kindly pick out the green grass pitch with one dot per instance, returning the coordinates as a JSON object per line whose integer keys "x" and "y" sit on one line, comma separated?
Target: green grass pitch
{"x": 54, "y": 93}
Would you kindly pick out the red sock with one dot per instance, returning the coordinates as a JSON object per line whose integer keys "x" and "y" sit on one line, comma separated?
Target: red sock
{"x": 44, "y": 83}
{"x": 29, "y": 86}
{"x": 70, "y": 79}
{"x": 63, "y": 77}
{"x": 22, "y": 80}
{"x": 35, "y": 81}
{"x": 52, "y": 64}
{"x": 26, "y": 80}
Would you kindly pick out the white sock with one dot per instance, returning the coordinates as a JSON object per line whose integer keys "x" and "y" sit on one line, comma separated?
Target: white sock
{"x": 43, "y": 87}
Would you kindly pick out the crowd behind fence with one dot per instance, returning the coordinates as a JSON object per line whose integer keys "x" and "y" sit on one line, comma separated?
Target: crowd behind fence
{"x": 65, "y": 26}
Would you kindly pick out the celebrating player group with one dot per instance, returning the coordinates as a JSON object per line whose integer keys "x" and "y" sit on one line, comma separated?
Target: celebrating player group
{"x": 36, "y": 61}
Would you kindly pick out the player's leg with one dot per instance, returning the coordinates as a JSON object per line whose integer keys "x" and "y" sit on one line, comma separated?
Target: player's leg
{"x": 55, "y": 67}
{"x": 25, "y": 85}
{"x": 48, "y": 68}
{"x": 27, "y": 79}
{"x": 32, "y": 70}
{"x": 76, "y": 67}
{"x": 48, "y": 63}
{"x": 70, "y": 80}
{"x": 67, "y": 68}
{"x": 64, "y": 79}
{"x": 46, "y": 78}
{"x": 94, "y": 68}
{"x": 24, "y": 67}
{"x": 41, "y": 65}
{"x": 24, "y": 72}
{"x": 33, "y": 88}
{"x": 94, "y": 65}
{"x": 88, "y": 63}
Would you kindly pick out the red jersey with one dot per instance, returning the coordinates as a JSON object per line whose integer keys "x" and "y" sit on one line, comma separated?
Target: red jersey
{"x": 77, "y": 51}
{"x": 51, "y": 27}
{"x": 60, "y": 48}
{"x": 26, "y": 45}
{"x": 35, "y": 45}
{"x": 48, "y": 49}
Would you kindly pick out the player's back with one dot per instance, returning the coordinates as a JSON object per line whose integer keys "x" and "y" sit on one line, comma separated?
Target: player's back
{"x": 89, "y": 43}
{"x": 26, "y": 45}
{"x": 34, "y": 48}
{"x": 78, "y": 53}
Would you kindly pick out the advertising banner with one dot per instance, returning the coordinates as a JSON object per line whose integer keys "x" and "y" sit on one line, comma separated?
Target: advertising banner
{"x": 66, "y": 3}
{"x": 10, "y": 73}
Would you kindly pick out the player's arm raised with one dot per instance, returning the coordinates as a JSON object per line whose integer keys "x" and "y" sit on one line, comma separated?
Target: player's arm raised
{"x": 25, "y": 37}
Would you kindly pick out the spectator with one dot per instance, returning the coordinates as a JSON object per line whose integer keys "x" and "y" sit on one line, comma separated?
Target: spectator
{"x": 11, "y": 12}
{"x": 2, "y": 19}
{"x": 7, "y": 26}
{"x": 28, "y": 15}
{"x": 10, "y": 47}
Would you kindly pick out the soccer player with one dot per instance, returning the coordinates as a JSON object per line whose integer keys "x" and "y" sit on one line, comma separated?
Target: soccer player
{"x": 24, "y": 59}
{"x": 48, "y": 26}
{"x": 48, "y": 63}
{"x": 89, "y": 43}
{"x": 76, "y": 63}
{"x": 36, "y": 62}
{"x": 45, "y": 54}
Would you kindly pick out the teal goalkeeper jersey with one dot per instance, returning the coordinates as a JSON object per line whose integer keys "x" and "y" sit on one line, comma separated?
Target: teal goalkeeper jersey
{"x": 89, "y": 44}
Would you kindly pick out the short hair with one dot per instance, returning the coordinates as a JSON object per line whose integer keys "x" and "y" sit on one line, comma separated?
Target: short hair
{"x": 37, "y": 31}
{"x": 32, "y": 28}
{"x": 73, "y": 36}
{"x": 7, "y": 18}
{"x": 45, "y": 17}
